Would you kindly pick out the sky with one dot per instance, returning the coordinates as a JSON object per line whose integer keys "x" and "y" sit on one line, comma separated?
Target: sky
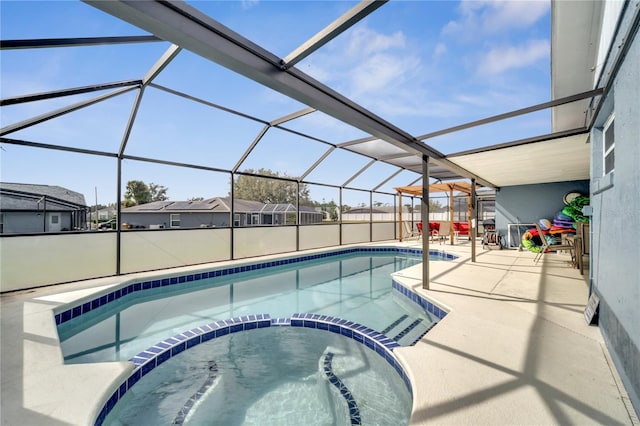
{"x": 421, "y": 65}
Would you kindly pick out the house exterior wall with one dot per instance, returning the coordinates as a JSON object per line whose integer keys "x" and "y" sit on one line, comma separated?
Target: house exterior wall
{"x": 615, "y": 198}
{"x": 204, "y": 219}
{"x": 27, "y": 222}
{"x": 187, "y": 220}
{"x": 528, "y": 203}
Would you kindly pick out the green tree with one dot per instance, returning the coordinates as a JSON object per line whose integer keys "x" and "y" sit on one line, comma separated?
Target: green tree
{"x": 269, "y": 191}
{"x": 137, "y": 192}
{"x": 434, "y": 206}
{"x": 158, "y": 192}
{"x": 331, "y": 208}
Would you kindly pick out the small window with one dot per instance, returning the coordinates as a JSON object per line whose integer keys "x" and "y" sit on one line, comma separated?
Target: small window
{"x": 255, "y": 219}
{"x": 175, "y": 220}
{"x": 609, "y": 145}
{"x": 55, "y": 219}
{"x": 236, "y": 220}
{"x": 1, "y": 223}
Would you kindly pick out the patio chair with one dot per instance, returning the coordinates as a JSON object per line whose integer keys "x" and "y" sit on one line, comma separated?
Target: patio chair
{"x": 582, "y": 244}
{"x": 548, "y": 248}
{"x": 409, "y": 231}
{"x": 433, "y": 230}
{"x": 444, "y": 231}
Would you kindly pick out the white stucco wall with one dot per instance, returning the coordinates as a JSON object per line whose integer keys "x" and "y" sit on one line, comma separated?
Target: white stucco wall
{"x": 615, "y": 198}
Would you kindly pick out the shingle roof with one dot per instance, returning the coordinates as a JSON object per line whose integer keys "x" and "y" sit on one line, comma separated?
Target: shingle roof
{"x": 25, "y": 196}
{"x": 217, "y": 204}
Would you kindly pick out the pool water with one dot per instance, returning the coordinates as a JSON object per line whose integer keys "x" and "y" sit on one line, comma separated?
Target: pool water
{"x": 355, "y": 286}
{"x": 272, "y": 376}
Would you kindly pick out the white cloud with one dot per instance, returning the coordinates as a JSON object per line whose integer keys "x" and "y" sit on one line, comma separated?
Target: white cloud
{"x": 379, "y": 72}
{"x": 439, "y": 51}
{"x": 499, "y": 60}
{"x": 490, "y": 17}
{"x": 366, "y": 63}
{"x": 364, "y": 41}
{"x": 248, "y": 4}
{"x": 514, "y": 14}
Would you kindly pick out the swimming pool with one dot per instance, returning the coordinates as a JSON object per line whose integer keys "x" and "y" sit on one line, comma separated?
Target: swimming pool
{"x": 355, "y": 286}
{"x": 348, "y": 292}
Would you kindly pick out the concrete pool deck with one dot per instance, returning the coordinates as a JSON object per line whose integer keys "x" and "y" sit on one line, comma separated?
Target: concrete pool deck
{"x": 514, "y": 349}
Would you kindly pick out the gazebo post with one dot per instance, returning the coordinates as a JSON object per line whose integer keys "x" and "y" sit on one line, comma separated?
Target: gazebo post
{"x": 400, "y": 215}
{"x": 451, "y": 214}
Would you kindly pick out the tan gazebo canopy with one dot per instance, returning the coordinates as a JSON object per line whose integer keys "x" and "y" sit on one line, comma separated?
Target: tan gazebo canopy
{"x": 460, "y": 186}
{"x": 450, "y": 187}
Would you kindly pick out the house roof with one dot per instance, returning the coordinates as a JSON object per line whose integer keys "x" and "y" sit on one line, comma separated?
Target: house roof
{"x": 381, "y": 209}
{"x": 209, "y": 205}
{"x": 24, "y": 196}
{"x": 213, "y": 205}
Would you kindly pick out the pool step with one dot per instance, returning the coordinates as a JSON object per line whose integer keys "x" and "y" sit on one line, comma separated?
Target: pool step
{"x": 394, "y": 324}
{"x": 406, "y": 330}
{"x": 413, "y": 332}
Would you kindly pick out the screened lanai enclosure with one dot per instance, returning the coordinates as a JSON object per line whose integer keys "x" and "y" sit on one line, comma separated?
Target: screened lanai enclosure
{"x": 191, "y": 136}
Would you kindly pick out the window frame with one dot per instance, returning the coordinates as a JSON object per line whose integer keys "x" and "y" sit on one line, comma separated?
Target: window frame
{"x": 608, "y": 124}
{"x": 172, "y": 220}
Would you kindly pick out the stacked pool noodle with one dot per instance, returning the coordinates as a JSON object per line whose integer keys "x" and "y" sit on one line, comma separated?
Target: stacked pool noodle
{"x": 564, "y": 221}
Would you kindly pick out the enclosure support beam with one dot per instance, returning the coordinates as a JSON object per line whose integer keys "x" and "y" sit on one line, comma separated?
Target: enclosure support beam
{"x": 451, "y": 212}
{"x": 473, "y": 229}
{"x": 187, "y": 27}
{"x": 343, "y": 23}
{"x": 424, "y": 217}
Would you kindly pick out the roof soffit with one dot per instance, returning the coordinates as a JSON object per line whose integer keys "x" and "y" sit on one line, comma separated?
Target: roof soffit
{"x": 574, "y": 25}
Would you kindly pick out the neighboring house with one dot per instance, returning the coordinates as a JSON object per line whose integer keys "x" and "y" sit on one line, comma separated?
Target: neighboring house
{"x": 104, "y": 214}
{"x": 391, "y": 213}
{"x": 214, "y": 212}
{"x": 28, "y": 208}
{"x": 382, "y": 213}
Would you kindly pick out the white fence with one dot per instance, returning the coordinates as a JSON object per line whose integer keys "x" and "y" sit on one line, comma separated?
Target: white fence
{"x": 29, "y": 261}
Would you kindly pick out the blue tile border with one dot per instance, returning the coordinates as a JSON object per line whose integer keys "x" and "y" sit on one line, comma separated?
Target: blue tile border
{"x": 210, "y": 380}
{"x": 67, "y": 312}
{"x": 425, "y": 304}
{"x": 354, "y": 411}
{"x": 147, "y": 360}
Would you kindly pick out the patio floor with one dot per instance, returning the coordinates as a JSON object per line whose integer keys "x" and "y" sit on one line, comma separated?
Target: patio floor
{"x": 514, "y": 349}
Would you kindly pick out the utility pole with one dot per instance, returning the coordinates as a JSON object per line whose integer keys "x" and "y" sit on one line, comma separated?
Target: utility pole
{"x": 96, "y": 189}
